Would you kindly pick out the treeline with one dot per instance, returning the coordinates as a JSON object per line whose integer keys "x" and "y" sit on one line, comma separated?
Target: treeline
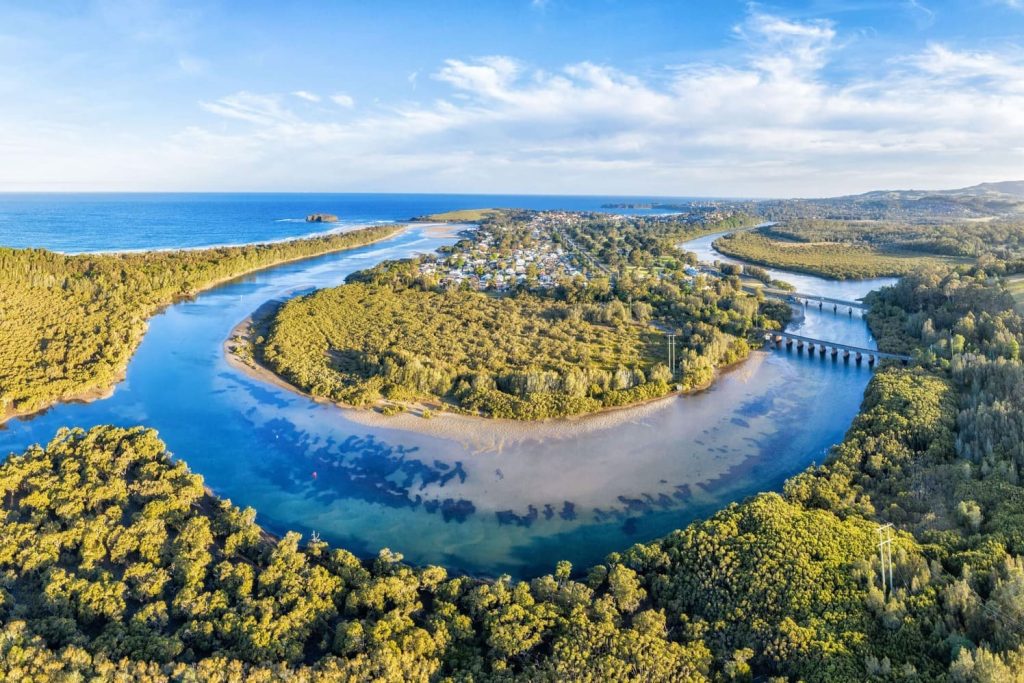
{"x": 113, "y": 560}
{"x": 505, "y": 357}
{"x": 860, "y": 249}
{"x": 70, "y": 323}
{"x": 114, "y": 555}
{"x": 1002, "y": 239}
{"x": 116, "y": 563}
{"x": 625, "y": 243}
{"x": 834, "y": 259}
{"x": 392, "y": 333}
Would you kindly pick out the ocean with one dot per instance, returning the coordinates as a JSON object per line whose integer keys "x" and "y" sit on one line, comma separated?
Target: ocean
{"x": 76, "y": 223}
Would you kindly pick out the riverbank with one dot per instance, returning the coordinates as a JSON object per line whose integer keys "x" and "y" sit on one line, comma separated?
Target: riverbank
{"x": 103, "y": 388}
{"x": 477, "y": 433}
{"x": 832, "y": 260}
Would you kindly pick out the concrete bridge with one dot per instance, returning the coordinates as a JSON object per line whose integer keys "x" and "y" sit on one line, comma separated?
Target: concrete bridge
{"x": 833, "y": 349}
{"x": 805, "y": 299}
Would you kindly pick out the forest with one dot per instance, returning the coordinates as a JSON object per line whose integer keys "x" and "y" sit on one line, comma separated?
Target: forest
{"x": 71, "y": 323}
{"x": 639, "y": 245}
{"x": 835, "y": 258}
{"x": 861, "y": 248}
{"x": 117, "y": 563}
{"x": 517, "y": 357}
{"x": 114, "y": 560}
{"x": 392, "y": 333}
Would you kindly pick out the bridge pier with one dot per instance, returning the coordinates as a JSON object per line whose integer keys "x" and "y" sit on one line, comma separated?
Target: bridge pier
{"x": 823, "y": 348}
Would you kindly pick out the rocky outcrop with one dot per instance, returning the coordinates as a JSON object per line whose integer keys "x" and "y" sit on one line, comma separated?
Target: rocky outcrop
{"x": 321, "y": 218}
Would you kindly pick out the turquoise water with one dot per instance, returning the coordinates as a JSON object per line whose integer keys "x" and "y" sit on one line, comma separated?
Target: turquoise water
{"x": 488, "y": 500}
{"x": 74, "y": 223}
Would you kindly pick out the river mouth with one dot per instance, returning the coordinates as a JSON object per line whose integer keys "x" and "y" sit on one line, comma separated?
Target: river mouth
{"x": 498, "y": 502}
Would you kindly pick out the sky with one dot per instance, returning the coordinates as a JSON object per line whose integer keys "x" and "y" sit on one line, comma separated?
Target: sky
{"x": 638, "y": 97}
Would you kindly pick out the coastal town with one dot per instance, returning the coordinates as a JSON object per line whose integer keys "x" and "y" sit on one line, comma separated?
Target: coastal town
{"x": 538, "y": 252}
{"x": 499, "y": 256}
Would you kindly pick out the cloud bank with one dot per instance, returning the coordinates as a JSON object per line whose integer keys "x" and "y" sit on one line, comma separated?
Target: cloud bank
{"x": 777, "y": 120}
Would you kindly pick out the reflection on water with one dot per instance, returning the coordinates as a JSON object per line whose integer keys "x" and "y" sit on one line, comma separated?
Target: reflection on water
{"x": 518, "y": 507}
{"x": 846, "y": 290}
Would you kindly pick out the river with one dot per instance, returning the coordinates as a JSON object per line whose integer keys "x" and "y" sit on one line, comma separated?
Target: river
{"x": 507, "y": 499}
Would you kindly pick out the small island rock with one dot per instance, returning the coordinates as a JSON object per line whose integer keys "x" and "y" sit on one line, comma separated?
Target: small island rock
{"x": 321, "y": 218}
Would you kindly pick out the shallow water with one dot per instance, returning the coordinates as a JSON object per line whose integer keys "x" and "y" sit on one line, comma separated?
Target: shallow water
{"x": 515, "y": 507}
{"x": 847, "y": 290}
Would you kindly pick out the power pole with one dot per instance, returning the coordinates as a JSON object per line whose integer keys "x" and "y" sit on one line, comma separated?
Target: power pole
{"x": 672, "y": 354}
{"x": 885, "y": 552}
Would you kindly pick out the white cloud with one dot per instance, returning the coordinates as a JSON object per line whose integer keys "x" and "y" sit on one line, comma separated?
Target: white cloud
{"x": 775, "y": 120}
{"x": 262, "y": 110}
{"x": 306, "y": 95}
{"x": 342, "y": 100}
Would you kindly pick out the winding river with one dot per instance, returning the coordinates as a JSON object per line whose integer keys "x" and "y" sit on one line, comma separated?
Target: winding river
{"x": 487, "y": 497}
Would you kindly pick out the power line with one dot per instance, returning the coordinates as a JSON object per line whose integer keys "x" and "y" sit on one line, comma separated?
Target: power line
{"x": 885, "y": 552}
{"x": 671, "y": 354}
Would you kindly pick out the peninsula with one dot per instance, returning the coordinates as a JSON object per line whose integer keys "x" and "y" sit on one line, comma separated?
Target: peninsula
{"x": 71, "y": 323}
{"x": 532, "y": 315}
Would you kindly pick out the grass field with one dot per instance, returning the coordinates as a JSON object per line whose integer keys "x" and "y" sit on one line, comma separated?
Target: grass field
{"x": 1015, "y": 285}
{"x": 461, "y": 216}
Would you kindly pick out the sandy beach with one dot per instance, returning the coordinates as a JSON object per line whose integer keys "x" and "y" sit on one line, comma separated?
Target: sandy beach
{"x": 475, "y": 433}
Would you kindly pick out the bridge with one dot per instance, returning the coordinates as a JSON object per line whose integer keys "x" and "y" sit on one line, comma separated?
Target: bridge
{"x": 833, "y": 349}
{"x": 804, "y": 298}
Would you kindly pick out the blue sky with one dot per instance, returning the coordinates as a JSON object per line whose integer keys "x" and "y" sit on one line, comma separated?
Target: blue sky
{"x": 666, "y": 98}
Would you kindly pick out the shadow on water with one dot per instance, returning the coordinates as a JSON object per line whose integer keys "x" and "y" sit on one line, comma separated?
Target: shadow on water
{"x": 517, "y": 509}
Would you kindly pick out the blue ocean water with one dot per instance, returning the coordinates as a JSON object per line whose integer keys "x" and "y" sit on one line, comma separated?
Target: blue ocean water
{"x": 73, "y": 223}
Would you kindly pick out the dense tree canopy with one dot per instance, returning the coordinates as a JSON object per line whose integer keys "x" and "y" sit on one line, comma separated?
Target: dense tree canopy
{"x": 836, "y": 258}
{"x": 115, "y": 559}
{"x": 70, "y": 323}
{"x": 116, "y": 562}
{"x": 402, "y": 331}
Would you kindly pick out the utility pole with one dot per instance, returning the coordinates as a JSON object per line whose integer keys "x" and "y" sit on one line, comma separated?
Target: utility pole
{"x": 885, "y": 552}
{"x": 672, "y": 354}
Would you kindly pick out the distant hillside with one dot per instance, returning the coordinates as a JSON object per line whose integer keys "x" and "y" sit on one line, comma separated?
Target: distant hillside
{"x": 1013, "y": 188}
{"x": 983, "y": 201}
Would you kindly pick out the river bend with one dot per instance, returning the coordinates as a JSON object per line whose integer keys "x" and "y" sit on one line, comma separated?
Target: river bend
{"x": 500, "y": 497}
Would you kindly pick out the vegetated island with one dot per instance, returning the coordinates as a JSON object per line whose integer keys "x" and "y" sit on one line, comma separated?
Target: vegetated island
{"x": 518, "y": 321}
{"x": 71, "y": 323}
{"x": 856, "y": 249}
{"x": 115, "y": 562}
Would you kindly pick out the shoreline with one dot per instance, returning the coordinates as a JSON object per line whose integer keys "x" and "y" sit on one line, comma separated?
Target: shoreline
{"x": 476, "y": 432}
{"x": 97, "y": 393}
